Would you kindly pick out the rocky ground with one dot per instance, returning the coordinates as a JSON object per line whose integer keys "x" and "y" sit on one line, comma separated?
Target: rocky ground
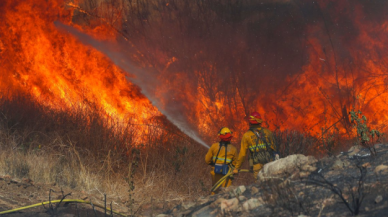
{"x": 352, "y": 182}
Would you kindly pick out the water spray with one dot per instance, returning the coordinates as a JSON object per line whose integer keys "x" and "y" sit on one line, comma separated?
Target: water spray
{"x": 145, "y": 79}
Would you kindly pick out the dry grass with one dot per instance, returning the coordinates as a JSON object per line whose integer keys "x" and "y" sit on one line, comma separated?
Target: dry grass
{"x": 294, "y": 142}
{"x": 83, "y": 151}
{"x": 45, "y": 166}
{"x": 156, "y": 176}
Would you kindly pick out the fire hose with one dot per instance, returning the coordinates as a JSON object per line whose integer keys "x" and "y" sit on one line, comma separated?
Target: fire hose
{"x": 58, "y": 201}
{"x": 224, "y": 178}
{"x": 214, "y": 188}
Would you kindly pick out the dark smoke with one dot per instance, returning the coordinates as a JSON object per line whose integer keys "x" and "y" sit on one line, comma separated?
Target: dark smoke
{"x": 237, "y": 52}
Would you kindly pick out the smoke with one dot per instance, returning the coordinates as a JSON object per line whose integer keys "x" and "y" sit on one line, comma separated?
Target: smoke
{"x": 145, "y": 79}
{"x": 234, "y": 57}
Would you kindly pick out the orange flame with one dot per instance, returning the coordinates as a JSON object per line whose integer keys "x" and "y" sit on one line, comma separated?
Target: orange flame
{"x": 61, "y": 72}
{"x": 58, "y": 70}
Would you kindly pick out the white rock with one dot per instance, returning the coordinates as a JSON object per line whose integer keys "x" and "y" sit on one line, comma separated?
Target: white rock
{"x": 378, "y": 199}
{"x": 354, "y": 150}
{"x": 188, "y": 205}
{"x": 240, "y": 189}
{"x": 339, "y": 165}
{"x": 254, "y": 190}
{"x": 218, "y": 201}
{"x": 252, "y": 204}
{"x": 287, "y": 165}
{"x": 229, "y": 205}
{"x": 381, "y": 168}
{"x": 241, "y": 198}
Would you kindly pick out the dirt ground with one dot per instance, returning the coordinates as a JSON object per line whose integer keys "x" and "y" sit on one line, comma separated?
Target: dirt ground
{"x": 20, "y": 193}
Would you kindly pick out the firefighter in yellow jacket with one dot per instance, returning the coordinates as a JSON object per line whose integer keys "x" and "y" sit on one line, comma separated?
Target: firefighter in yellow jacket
{"x": 259, "y": 143}
{"x": 220, "y": 155}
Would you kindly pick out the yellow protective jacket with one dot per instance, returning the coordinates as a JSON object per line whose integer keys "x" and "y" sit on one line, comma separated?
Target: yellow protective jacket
{"x": 231, "y": 154}
{"x": 249, "y": 141}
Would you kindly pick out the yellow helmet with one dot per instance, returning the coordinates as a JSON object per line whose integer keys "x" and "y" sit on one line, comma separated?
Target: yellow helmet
{"x": 224, "y": 131}
{"x": 225, "y": 134}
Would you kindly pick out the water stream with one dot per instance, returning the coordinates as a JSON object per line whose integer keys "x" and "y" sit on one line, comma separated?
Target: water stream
{"x": 145, "y": 79}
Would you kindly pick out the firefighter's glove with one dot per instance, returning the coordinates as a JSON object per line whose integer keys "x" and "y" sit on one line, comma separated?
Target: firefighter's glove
{"x": 235, "y": 171}
{"x": 277, "y": 157}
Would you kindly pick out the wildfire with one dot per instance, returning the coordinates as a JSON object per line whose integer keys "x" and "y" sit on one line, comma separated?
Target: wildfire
{"x": 208, "y": 80}
{"x": 331, "y": 85}
{"x": 57, "y": 69}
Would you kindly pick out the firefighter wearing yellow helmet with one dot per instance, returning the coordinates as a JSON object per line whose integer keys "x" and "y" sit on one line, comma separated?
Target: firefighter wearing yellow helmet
{"x": 220, "y": 156}
{"x": 259, "y": 142}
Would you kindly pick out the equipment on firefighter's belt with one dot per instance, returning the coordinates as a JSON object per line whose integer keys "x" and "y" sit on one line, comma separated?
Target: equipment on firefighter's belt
{"x": 261, "y": 153}
{"x": 221, "y": 168}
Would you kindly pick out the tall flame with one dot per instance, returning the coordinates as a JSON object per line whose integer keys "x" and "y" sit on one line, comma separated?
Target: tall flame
{"x": 304, "y": 65}
{"x": 57, "y": 69}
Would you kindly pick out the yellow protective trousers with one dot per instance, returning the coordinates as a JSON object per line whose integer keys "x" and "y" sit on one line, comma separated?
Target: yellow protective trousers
{"x": 256, "y": 169}
{"x": 216, "y": 178}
